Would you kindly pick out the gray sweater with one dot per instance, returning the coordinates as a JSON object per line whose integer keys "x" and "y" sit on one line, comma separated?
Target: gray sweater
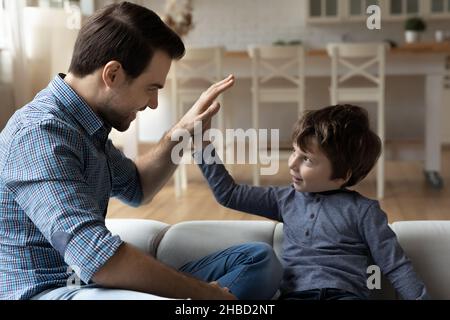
{"x": 330, "y": 238}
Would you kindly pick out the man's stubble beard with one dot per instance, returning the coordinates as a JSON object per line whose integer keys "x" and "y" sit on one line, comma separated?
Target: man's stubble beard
{"x": 111, "y": 117}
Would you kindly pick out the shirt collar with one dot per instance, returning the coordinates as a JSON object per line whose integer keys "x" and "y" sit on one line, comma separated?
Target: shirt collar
{"x": 76, "y": 106}
{"x": 324, "y": 193}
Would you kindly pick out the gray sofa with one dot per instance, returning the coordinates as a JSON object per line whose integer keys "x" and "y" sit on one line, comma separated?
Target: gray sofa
{"x": 427, "y": 244}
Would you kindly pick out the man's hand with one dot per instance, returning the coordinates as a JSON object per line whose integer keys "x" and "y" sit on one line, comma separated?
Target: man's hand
{"x": 220, "y": 293}
{"x": 205, "y": 107}
{"x": 156, "y": 167}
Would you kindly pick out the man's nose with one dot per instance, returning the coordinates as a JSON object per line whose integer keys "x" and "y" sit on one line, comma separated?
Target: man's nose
{"x": 153, "y": 103}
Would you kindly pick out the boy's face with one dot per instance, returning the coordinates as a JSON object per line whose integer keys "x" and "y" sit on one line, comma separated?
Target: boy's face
{"x": 311, "y": 170}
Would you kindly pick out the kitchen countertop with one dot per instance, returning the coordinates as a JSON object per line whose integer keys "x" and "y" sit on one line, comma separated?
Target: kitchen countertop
{"x": 414, "y": 48}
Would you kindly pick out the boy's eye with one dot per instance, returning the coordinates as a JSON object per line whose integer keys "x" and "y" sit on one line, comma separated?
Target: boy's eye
{"x": 306, "y": 159}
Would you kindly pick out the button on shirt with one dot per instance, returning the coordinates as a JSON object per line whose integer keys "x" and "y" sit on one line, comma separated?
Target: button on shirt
{"x": 330, "y": 238}
{"x": 57, "y": 172}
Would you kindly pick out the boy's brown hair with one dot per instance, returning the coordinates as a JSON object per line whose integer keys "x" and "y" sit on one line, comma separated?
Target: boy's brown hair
{"x": 124, "y": 32}
{"x": 344, "y": 135}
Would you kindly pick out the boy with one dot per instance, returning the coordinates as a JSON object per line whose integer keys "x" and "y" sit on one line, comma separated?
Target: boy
{"x": 331, "y": 234}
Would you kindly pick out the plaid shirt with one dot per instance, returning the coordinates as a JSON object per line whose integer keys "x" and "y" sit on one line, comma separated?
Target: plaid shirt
{"x": 58, "y": 170}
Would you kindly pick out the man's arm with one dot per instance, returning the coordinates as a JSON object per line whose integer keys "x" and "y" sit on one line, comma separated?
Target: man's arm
{"x": 156, "y": 167}
{"x": 132, "y": 269}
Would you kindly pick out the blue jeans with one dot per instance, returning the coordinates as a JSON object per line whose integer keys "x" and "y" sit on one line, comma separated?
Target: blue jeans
{"x": 250, "y": 271}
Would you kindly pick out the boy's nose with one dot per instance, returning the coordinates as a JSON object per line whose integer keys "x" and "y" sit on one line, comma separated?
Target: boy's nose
{"x": 293, "y": 163}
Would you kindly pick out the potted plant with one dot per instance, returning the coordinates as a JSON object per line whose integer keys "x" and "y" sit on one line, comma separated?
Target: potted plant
{"x": 413, "y": 27}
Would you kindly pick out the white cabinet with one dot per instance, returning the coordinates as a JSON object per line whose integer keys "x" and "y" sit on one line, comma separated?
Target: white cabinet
{"x": 400, "y": 9}
{"x": 429, "y": 9}
{"x": 357, "y": 9}
{"x": 329, "y": 11}
{"x": 438, "y": 8}
{"x": 324, "y": 10}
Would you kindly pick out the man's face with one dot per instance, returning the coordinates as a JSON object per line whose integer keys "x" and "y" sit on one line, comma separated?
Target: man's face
{"x": 126, "y": 98}
{"x": 311, "y": 170}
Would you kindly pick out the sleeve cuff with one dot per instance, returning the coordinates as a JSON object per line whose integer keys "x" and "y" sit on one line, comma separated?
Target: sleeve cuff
{"x": 90, "y": 249}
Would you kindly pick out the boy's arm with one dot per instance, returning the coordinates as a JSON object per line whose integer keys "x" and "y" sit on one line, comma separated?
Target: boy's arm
{"x": 389, "y": 255}
{"x": 260, "y": 201}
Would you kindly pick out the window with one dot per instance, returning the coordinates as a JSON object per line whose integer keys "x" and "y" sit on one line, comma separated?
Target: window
{"x": 51, "y": 3}
{"x": 4, "y": 35}
{"x": 87, "y": 7}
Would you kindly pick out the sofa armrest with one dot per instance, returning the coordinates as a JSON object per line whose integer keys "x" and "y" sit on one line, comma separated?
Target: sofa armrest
{"x": 427, "y": 243}
{"x": 143, "y": 234}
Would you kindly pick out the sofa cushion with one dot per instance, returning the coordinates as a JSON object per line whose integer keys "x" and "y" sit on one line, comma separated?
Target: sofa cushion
{"x": 189, "y": 241}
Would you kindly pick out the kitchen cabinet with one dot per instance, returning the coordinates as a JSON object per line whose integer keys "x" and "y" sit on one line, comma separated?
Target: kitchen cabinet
{"x": 324, "y": 10}
{"x": 401, "y": 9}
{"x": 357, "y": 9}
{"x": 329, "y": 11}
{"x": 438, "y": 8}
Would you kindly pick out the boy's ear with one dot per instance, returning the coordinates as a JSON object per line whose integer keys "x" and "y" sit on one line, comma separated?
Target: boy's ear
{"x": 349, "y": 175}
{"x": 343, "y": 181}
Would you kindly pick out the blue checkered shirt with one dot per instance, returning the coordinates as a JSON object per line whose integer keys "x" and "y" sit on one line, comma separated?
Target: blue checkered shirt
{"x": 58, "y": 170}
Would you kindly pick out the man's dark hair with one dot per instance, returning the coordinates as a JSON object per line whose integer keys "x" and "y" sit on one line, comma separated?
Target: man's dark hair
{"x": 124, "y": 32}
{"x": 344, "y": 135}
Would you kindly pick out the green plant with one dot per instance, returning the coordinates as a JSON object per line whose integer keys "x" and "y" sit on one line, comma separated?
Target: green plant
{"x": 415, "y": 24}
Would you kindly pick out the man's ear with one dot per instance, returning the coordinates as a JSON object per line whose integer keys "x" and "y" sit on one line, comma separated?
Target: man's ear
{"x": 113, "y": 74}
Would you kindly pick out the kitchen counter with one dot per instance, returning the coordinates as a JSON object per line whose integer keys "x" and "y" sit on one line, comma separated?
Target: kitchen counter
{"x": 413, "y": 48}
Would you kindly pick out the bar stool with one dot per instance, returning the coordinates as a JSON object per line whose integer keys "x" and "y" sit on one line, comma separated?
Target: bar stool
{"x": 193, "y": 74}
{"x": 271, "y": 64}
{"x": 366, "y": 60}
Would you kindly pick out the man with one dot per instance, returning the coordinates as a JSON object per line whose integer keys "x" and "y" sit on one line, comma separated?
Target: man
{"x": 58, "y": 170}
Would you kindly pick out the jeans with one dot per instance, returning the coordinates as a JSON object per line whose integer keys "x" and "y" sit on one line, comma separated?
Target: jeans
{"x": 249, "y": 271}
{"x": 320, "y": 294}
